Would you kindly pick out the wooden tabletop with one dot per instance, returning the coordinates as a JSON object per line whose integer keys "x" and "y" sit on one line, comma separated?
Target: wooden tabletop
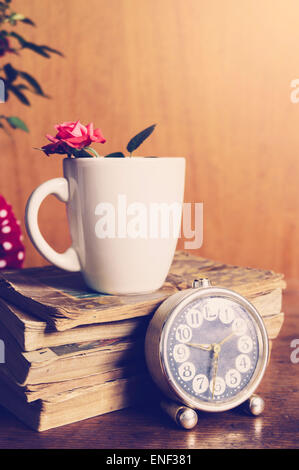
{"x": 149, "y": 428}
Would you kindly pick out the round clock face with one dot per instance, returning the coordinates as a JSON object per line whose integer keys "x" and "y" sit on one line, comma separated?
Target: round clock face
{"x": 212, "y": 351}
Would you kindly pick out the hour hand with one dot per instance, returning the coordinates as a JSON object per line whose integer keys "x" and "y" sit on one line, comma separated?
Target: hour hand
{"x": 204, "y": 347}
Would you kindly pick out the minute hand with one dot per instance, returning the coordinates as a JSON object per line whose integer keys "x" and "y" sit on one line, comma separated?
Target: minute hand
{"x": 227, "y": 338}
{"x": 215, "y": 361}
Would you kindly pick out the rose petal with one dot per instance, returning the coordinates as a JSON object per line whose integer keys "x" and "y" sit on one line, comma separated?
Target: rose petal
{"x": 89, "y": 128}
{"x": 98, "y": 134}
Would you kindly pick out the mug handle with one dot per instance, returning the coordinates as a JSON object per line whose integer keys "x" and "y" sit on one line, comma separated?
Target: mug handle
{"x": 59, "y": 187}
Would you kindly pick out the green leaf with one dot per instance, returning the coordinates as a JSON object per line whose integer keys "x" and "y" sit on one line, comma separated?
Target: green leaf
{"x": 93, "y": 151}
{"x": 6, "y": 94}
{"x": 139, "y": 138}
{"x": 17, "y": 17}
{"x": 81, "y": 153}
{"x": 33, "y": 82}
{"x": 54, "y": 51}
{"x": 35, "y": 48}
{"x": 21, "y": 86}
{"x": 28, "y": 21}
{"x": 30, "y": 45}
{"x": 19, "y": 38}
{"x": 18, "y": 93}
{"x": 10, "y": 72}
{"x": 17, "y": 123}
{"x": 115, "y": 155}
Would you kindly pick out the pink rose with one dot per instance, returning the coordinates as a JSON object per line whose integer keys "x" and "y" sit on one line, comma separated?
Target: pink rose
{"x": 74, "y": 135}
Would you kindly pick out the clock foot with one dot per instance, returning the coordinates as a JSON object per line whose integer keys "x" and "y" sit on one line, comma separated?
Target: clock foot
{"x": 254, "y": 405}
{"x": 183, "y": 416}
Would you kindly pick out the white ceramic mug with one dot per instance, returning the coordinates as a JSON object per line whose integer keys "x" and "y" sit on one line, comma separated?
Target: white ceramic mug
{"x": 115, "y": 256}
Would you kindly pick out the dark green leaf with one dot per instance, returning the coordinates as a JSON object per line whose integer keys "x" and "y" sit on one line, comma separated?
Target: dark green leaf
{"x": 139, "y": 138}
{"x": 17, "y": 123}
{"x": 54, "y": 51}
{"x": 6, "y": 94}
{"x": 35, "y": 48}
{"x": 115, "y": 155}
{"x": 41, "y": 50}
{"x": 28, "y": 21}
{"x": 10, "y": 72}
{"x": 33, "y": 82}
{"x": 23, "y": 87}
{"x": 59, "y": 151}
{"x": 81, "y": 153}
{"x": 17, "y": 92}
{"x": 19, "y": 38}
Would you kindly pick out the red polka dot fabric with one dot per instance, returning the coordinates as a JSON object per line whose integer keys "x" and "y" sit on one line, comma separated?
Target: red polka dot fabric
{"x": 12, "y": 250}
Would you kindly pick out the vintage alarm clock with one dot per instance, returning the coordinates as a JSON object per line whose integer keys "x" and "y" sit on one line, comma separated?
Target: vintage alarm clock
{"x": 207, "y": 349}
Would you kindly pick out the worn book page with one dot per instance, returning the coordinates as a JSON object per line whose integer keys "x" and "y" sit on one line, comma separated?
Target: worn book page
{"x": 63, "y": 300}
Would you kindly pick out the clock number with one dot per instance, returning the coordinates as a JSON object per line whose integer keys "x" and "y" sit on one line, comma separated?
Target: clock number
{"x": 239, "y": 326}
{"x": 200, "y": 383}
{"x": 187, "y": 371}
{"x": 211, "y": 311}
{"x": 219, "y": 386}
{"x": 233, "y": 378}
{"x": 183, "y": 333}
{"x": 181, "y": 352}
{"x": 243, "y": 363}
{"x": 227, "y": 315}
{"x": 245, "y": 344}
{"x": 194, "y": 318}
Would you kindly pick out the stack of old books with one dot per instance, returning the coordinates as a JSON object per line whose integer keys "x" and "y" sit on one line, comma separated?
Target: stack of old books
{"x": 71, "y": 353}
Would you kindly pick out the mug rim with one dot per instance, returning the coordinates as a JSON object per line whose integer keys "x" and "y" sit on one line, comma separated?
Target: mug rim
{"x": 93, "y": 160}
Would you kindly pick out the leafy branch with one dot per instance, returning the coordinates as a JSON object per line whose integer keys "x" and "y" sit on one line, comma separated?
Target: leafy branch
{"x": 7, "y": 16}
{"x": 18, "y": 82}
{"x": 42, "y": 50}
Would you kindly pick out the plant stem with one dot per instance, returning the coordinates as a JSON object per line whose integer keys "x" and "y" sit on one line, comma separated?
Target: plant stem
{"x": 93, "y": 151}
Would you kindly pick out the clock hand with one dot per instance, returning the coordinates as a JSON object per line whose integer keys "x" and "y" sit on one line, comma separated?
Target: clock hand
{"x": 226, "y": 338}
{"x": 216, "y": 349}
{"x": 204, "y": 347}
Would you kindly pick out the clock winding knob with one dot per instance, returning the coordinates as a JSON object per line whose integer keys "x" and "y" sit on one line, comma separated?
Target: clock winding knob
{"x": 202, "y": 282}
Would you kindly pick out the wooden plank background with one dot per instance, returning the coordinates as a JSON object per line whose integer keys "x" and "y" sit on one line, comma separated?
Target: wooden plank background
{"x": 215, "y": 75}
